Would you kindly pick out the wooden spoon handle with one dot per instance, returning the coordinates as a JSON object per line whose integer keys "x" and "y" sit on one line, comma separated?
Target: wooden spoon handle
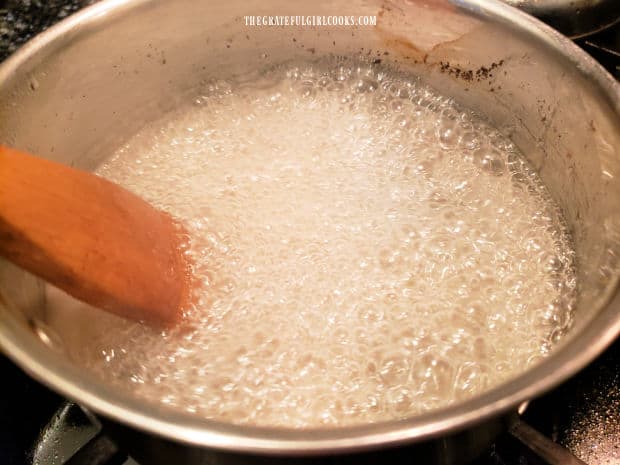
{"x": 95, "y": 240}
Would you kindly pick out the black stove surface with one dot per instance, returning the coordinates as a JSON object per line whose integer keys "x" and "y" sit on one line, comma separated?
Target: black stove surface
{"x": 39, "y": 427}
{"x": 20, "y": 20}
{"x": 582, "y": 415}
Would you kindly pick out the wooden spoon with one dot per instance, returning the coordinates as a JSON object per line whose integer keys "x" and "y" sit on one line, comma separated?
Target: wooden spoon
{"x": 95, "y": 240}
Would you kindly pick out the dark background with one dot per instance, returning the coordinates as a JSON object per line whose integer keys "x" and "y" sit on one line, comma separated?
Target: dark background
{"x": 587, "y": 403}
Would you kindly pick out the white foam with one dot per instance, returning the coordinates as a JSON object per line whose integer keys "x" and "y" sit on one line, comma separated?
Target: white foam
{"x": 366, "y": 249}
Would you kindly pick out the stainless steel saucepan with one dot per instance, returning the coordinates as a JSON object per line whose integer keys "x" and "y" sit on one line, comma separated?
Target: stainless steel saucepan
{"x": 78, "y": 91}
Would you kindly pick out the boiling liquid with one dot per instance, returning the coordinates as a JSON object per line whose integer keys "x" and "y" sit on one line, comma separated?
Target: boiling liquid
{"x": 363, "y": 248}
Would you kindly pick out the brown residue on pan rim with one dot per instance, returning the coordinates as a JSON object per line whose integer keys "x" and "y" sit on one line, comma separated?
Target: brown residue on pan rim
{"x": 480, "y": 74}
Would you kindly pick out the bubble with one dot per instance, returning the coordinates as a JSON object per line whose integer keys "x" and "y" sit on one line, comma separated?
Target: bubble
{"x": 470, "y": 377}
{"x": 342, "y": 73}
{"x": 365, "y": 85}
{"x": 394, "y": 370}
{"x": 437, "y": 374}
{"x": 470, "y": 140}
{"x": 448, "y": 137}
{"x": 307, "y": 89}
{"x": 490, "y": 161}
{"x": 400, "y": 400}
{"x": 293, "y": 73}
{"x": 396, "y": 106}
{"x": 370, "y": 313}
{"x": 403, "y": 121}
{"x": 347, "y": 98}
{"x": 335, "y": 86}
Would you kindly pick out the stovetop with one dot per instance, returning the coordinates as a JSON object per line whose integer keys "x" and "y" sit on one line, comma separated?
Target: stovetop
{"x": 39, "y": 427}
